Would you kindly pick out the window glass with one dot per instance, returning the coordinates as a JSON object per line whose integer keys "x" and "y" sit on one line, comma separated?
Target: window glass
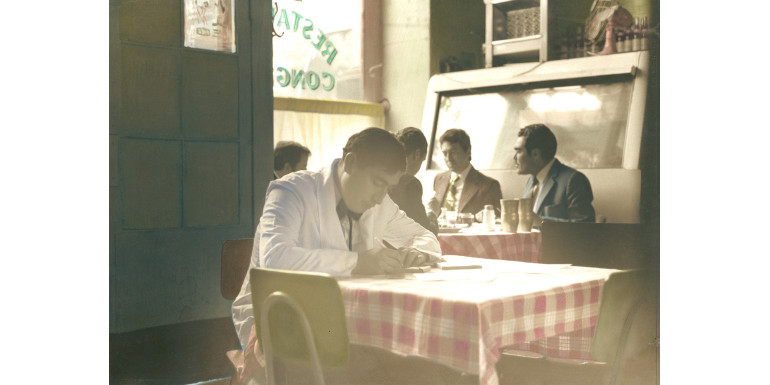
{"x": 589, "y": 121}
{"x": 317, "y": 50}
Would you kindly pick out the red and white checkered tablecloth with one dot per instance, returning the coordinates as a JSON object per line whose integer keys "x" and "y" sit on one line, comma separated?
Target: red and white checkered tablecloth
{"x": 465, "y": 323}
{"x": 524, "y": 247}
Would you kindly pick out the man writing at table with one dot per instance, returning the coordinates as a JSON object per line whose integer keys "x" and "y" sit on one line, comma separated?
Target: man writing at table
{"x": 332, "y": 221}
{"x": 558, "y": 192}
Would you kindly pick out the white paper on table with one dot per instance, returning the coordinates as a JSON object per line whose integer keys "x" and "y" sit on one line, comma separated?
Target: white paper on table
{"x": 500, "y": 266}
{"x": 529, "y": 268}
{"x": 472, "y": 275}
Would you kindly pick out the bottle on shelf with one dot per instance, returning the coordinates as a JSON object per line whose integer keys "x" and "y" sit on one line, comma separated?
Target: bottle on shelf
{"x": 645, "y": 43}
{"x": 629, "y": 36}
{"x": 636, "y": 43}
{"x": 619, "y": 40}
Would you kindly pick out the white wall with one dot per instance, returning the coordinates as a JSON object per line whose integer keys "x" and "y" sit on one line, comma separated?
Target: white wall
{"x": 406, "y": 45}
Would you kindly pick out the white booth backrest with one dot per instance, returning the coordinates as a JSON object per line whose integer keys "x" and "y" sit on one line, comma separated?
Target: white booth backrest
{"x": 616, "y": 191}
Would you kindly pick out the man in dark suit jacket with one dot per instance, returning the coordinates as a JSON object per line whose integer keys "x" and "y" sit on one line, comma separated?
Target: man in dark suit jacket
{"x": 407, "y": 194}
{"x": 560, "y": 193}
{"x": 472, "y": 189}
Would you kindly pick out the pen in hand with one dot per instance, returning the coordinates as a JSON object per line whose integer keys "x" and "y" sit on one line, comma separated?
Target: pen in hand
{"x": 388, "y": 245}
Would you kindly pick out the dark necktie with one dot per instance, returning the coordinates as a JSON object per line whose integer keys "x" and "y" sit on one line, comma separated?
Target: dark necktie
{"x": 344, "y": 211}
{"x": 450, "y": 202}
{"x": 534, "y": 191}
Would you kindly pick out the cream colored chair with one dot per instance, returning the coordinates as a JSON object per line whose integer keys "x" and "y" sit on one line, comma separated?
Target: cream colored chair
{"x": 299, "y": 318}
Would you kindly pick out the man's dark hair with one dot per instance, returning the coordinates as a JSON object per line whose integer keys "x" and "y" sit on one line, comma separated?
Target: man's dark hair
{"x": 413, "y": 140}
{"x": 287, "y": 151}
{"x": 539, "y": 136}
{"x": 376, "y": 147}
{"x": 456, "y": 135}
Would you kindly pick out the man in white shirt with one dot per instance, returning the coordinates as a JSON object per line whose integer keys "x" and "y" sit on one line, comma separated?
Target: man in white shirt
{"x": 334, "y": 221}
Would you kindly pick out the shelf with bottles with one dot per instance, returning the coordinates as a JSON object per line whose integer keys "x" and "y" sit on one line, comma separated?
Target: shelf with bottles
{"x": 516, "y": 30}
{"x": 572, "y": 44}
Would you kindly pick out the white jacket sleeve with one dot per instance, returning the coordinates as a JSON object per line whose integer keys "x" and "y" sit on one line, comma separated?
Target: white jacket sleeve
{"x": 402, "y": 231}
{"x": 280, "y": 229}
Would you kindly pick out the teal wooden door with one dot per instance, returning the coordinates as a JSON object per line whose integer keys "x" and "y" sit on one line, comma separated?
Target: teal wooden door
{"x": 184, "y": 143}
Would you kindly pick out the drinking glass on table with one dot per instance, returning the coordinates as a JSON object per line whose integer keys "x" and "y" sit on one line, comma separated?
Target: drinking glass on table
{"x": 451, "y": 218}
{"x": 465, "y": 219}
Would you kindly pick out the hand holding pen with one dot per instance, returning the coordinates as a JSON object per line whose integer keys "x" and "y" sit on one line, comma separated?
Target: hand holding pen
{"x": 411, "y": 256}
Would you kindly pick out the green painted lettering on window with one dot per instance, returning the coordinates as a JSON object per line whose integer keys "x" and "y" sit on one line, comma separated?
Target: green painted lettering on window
{"x": 301, "y": 78}
{"x": 296, "y": 78}
{"x": 297, "y": 18}
{"x": 321, "y": 39}
{"x": 331, "y": 53}
{"x": 331, "y": 81}
{"x": 282, "y": 79}
{"x": 312, "y": 80}
{"x": 306, "y": 30}
{"x": 283, "y": 19}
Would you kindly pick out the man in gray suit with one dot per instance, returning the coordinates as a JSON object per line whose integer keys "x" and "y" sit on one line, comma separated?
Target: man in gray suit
{"x": 462, "y": 188}
{"x": 560, "y": 193}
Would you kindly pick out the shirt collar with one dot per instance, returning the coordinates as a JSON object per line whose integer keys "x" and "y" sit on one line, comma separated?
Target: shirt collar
{"x": 463, "y": 174}
{"x": 342, "y": 208}
{"x": 543, "y": 173}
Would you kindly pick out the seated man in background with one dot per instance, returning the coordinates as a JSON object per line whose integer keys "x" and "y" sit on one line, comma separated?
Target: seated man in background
{"x": 559, "y": 192}
{"x": 462, "y": 188}
{"x": 332, "y": 221}
{"x": 407, "y": 194}
{"x": 289, "y": 156}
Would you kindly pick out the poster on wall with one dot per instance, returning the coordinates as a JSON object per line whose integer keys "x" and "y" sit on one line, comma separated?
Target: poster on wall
{"x": 209, "y": 24}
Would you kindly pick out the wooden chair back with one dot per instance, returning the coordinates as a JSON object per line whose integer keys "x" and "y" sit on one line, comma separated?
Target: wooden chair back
{"x": 236, "y": 255}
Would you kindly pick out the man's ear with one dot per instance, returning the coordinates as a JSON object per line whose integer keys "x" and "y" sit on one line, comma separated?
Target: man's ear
{"x": 536, "y": 154}
{"x": 349, "y": 161}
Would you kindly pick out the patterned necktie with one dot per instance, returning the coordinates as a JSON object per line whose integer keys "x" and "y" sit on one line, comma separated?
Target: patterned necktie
{"x": 450, "y": 202}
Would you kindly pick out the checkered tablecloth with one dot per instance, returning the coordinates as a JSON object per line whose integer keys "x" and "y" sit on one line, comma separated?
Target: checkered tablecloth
{"x": 524, "y": 247}
{"x": 465, "y": 323}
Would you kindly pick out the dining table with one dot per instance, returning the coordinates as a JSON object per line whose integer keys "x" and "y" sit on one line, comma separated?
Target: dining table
{"x": 476, "y": 242}
{"x": 465, "y": 318}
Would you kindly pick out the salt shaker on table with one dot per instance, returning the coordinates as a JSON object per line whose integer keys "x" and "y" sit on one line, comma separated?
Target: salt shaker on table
{"x": 489, "y": 218}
